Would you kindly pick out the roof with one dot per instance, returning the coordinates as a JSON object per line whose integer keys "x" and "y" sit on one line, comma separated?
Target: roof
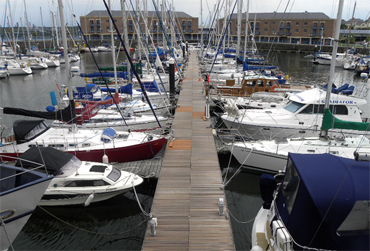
{"x": 51, "y": 157}
{"x": 330, "y": 201}
{"x": 327, "y": 176}
{"x": 318, "y": 96}
{"x": 285, "y": 16}
{"x": 118, "y": 13}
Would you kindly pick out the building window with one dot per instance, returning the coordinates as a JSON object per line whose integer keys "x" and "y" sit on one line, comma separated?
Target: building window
{"x": 296, "y": 30}
{"x": 265, "y": 29}
{"x": 266, "y": 23}
{"x": 305, "y": 30}
{"x": 297, "y": 23}
{"x": 91, "y": 22}
{"x": 130, "y": 26}
{"x": 273, "y": 23}
{"x": 305, "y": 23}
{"x": 189, "y": 23}
{"x": 107, "y": 21}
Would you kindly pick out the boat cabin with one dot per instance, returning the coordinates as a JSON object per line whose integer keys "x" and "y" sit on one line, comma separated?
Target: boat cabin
{"x": 250, "y": 85}
{"x": 323, "y": 202}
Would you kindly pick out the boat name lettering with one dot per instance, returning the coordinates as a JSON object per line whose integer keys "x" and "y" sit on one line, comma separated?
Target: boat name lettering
{"x": 339, "y": 102}
{"x": 300, "y": 98}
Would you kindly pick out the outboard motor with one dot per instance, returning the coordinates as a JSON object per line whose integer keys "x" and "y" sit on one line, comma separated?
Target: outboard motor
{"x": 267, "y": 188}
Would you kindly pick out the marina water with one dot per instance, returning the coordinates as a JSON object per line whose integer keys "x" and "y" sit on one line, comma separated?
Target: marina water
{"x": 118, "y": 223}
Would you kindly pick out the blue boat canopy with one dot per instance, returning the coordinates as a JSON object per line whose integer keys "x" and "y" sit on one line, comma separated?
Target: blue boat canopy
{"x": 324, "y": 201}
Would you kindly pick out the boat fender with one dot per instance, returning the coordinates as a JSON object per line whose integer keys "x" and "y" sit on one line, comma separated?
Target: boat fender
{"x": 89, "y": 199}
{"x": 105, "y": 159}
{"x": 267, "y": 188}
{"x": 256, "y": 248}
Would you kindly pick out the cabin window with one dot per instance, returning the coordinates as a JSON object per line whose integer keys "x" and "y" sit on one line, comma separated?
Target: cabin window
{"x": 290, "y": 185}
{"x": 87, "y": 183}
{"x": 56, "y": 145}
{"x": 32, "y": 145}
{"x": 114, "y": 175}
{"x": 36, "y": 131}
{"x": 338, "y": 109}
{"x": 357, "y": 221}
{"x": 85, "y": 144}
{"x": 293, "y": 106}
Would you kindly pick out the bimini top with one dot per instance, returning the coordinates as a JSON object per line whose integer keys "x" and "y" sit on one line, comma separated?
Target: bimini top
{"x": 318, "y": 96}
{"x": 324, "y": 201}
{"x": 54, "y": 159}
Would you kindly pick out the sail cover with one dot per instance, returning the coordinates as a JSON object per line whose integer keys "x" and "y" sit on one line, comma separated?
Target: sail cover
{"x": 329, "y": 121}
{"x": 53, "y": 158}
{"x": 62, "y": 115}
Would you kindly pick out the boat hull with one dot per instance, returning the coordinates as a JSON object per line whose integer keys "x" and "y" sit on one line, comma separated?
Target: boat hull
{"x": 145, "y": 150}
{"x": 64, "y": 199}
{"x": 262, "y": 161}
{"x": 19, "y": 202}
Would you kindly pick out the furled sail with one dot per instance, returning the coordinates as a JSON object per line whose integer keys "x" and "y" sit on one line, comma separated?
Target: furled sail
{"x": 329, "y": 121}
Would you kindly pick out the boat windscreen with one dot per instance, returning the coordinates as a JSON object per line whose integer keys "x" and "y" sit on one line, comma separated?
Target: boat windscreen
{"x": 293, "y": 106}
{"x": 70, "y": 167}
{"x": 114, "y": 175}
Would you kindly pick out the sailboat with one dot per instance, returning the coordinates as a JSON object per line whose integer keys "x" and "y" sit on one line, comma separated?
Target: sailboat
{"x": 20, "y": 193}
{"x": 85, "y": 144}
{"x": 271, "y": 154}
{"x": 322, "y": 203}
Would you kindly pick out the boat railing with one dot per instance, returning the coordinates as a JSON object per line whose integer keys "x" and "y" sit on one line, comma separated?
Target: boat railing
{"x": 11, "y": 162}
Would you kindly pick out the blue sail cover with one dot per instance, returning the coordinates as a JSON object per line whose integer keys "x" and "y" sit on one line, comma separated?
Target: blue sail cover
{"x": 151, "y": 86}
{"x": 247, "y": 67}
{"x": 123, "y": 75}
{"x": 123, "y": 89}
{"x": 326, "y": 192}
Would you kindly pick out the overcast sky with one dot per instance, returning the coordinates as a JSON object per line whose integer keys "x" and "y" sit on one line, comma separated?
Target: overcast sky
{"x": 191, "y": 7}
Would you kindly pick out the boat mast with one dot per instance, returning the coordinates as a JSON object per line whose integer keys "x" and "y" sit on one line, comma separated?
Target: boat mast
{"x": 65, "y": 46}
{"x": 201, "y": 23}
{"x": 42, "y": 29}
{"x": 240, "y": 7}
{"x": 127, "y": 43}
{"x": 12, "y": 30}
{"x": 324, "y": 133}
{"x": 246, "y": 32}
{"x": 55, "y": 25}
{"x": 27, "y": 27}
{"x": 350, "y": 28}
{"x": 113, "y": 50}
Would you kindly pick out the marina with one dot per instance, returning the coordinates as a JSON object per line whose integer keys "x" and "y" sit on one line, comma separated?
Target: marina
{"x": 181, "y": 146}
{"x": 243, "y": 199}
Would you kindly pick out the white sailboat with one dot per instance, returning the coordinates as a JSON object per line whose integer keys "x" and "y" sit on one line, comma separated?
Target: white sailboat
{"x": 272, "y": 154}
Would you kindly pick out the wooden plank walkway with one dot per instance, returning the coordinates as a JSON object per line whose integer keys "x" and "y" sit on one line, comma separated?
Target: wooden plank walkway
{"x": 189, "y": 186}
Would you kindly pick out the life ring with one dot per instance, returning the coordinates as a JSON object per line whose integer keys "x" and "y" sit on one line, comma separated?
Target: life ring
{"x": 273, "y": 87}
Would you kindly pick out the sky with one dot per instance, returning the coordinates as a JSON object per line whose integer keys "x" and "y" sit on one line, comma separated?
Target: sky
{"x": 191, "y": 7}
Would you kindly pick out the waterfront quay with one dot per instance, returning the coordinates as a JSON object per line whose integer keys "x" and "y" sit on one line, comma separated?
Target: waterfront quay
{"x": 186, "y": 201}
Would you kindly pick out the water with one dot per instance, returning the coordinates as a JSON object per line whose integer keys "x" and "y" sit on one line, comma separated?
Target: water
{"x": 118, "y": 223}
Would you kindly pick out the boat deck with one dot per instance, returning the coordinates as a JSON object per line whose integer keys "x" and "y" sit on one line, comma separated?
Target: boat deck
{"x": 189, "y": 187}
